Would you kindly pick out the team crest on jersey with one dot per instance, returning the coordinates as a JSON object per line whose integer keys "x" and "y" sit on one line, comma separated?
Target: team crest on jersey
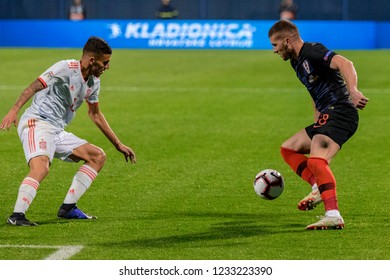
{"x": 88, "y": 93}
{"x": 42, "y": 145}
{"x": 306, "y": 66}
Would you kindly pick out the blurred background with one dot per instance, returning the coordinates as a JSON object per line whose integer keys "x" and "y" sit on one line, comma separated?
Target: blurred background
{"x": 378, "y": 10}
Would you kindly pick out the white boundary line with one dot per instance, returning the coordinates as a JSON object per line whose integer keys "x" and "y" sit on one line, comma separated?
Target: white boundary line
{"x": 62, "y": 253}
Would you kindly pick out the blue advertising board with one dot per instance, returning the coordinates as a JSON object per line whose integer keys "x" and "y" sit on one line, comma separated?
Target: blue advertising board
{"x": 186, "y": 34}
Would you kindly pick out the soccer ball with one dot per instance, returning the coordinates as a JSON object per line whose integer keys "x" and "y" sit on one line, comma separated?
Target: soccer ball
{"x": 268, "y": 184}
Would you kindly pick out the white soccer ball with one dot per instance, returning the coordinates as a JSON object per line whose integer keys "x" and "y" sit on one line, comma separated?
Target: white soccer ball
{"x": 268, "y": 184}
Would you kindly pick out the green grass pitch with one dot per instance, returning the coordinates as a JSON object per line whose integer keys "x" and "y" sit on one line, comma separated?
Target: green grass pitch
{"x": 202, "y": 124}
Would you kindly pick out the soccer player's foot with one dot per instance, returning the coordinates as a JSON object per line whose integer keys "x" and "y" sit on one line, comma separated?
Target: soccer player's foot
{"x": 73, "y": 213}
{"x": 19, "y": 219}
{"x": 328, "y": 223}
{"x": 310, "y": 201}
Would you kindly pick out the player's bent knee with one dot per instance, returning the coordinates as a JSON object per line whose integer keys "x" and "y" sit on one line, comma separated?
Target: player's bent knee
{"x": 286, "y": 152}
{"x": 102, "y": 156}
{"x": 291, "y": 144}
{"x": 99, "y": 157}
{"x": 39, "y": 167}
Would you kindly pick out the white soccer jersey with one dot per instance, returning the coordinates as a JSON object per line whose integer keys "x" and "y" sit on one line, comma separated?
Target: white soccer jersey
{"x": 64, "y": 92}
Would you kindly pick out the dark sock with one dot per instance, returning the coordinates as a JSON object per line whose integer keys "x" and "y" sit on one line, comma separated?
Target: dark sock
{"x": 67, "y": 207}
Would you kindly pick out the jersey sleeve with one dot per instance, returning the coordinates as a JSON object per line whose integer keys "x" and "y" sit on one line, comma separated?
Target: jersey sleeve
{"x": 321, "y": 54}
{"x": 54, "y": 72}
{"x": 93, "y": 97}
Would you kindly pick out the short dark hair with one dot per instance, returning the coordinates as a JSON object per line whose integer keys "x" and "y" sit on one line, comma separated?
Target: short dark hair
{"x": 97, "y": 45}
{"x": 283, "y": 27}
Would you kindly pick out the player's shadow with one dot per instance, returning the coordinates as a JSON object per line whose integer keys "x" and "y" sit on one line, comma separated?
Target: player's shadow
{"x": 236, "y": 227}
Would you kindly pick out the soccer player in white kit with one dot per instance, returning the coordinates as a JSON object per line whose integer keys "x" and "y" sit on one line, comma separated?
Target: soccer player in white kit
{"x": 57, "y": 94}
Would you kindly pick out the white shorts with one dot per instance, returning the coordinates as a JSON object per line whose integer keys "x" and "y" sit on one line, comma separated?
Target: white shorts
{"x": 42, "y": 138}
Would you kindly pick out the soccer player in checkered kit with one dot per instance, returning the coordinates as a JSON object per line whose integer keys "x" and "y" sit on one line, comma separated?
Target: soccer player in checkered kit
{"x": 57, "y": 94}
{"x": 331, "y": 80}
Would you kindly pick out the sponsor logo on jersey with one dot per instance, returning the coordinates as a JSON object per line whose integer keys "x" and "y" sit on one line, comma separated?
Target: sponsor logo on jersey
{"x": 48, "y": 75}
{"x": 312, "y": 78}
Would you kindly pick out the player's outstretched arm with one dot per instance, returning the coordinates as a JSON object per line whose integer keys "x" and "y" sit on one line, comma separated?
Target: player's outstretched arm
{"x": 10, "y": 118}
{"x": 348, "y": 72}
{"x": 98, "y": 118}
{"x": 12, "y": 115}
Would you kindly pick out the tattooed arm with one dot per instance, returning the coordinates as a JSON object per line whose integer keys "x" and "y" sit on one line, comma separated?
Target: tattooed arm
{"x": 12, "y": 115}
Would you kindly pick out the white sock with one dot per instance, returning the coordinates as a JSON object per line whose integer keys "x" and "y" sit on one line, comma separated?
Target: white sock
{"x": 332, "y": 213}
{"x": 27, "y": 192}
{"x": 314, "y": 188}
{"x": 81, "y": 182}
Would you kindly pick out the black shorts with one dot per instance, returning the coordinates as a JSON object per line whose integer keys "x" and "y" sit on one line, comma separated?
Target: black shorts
{"x": 339, "y": 122}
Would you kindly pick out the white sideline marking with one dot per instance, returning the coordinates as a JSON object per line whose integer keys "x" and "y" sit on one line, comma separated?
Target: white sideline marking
{"x": 62, "y": 253}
